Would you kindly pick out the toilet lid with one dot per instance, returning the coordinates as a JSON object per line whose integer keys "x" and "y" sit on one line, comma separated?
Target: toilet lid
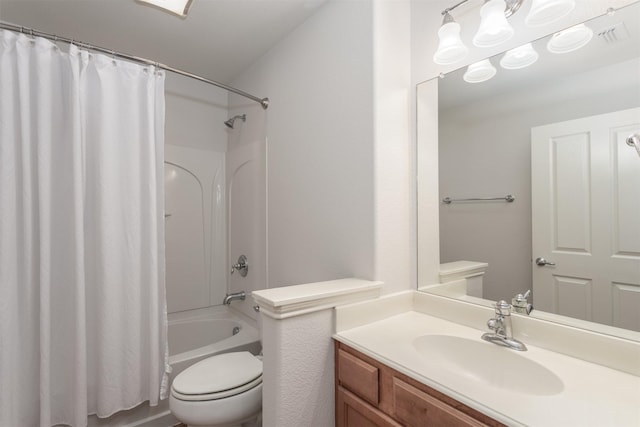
{"x": 219, "y": 373}
{"x": 218, "y": 395}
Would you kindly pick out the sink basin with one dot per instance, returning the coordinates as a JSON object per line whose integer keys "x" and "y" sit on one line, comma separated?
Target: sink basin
{"x": 488, "y": 364}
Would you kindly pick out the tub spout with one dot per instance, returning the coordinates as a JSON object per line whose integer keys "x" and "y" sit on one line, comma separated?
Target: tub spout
{"x": 234, "y": 296}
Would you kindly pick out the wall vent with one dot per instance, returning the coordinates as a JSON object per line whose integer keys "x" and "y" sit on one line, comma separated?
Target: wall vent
{"x": 613, "y": 33}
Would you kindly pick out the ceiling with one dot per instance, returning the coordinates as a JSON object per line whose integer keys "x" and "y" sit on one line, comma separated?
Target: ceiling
{"x": 217, "y": 40}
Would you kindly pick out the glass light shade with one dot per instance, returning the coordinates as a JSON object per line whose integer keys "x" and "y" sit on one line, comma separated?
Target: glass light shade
{"x": 520, "y": 57}
{"x": 545, "y": 12}
{"x": 494, "y": 28}
{"x": 479, "y": 72}
{"x": 450, "y": 49}
{"x": 177, "y": 7}
{"x": 570, "y": 39}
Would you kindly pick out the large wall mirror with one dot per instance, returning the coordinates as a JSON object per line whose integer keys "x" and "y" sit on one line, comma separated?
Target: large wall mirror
{"x": 553, "y": 136}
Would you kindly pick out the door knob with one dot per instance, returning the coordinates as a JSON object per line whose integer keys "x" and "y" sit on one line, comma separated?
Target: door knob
{"x": 542, "y": 262}
{"x": 634, "y": 141}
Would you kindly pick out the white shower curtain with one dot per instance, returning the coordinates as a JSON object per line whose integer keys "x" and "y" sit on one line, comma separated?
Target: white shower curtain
{"x": 82, "y": 296}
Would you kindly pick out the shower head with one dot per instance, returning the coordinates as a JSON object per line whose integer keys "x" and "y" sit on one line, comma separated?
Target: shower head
{"x": 229, "y": 122}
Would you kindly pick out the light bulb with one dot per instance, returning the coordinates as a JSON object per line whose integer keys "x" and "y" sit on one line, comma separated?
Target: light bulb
{"x": 520, "y": 57}
{"x": 545, "y": 12}
{"x": 450, "y": 49}
{"x": 479, "y": 72}
{"x": 570, "y": 39}
{"x": 494, "y": 28}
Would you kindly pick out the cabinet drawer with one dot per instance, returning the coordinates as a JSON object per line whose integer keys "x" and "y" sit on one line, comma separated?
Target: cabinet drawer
{"x": 352, "y": 411}
{"x": 414, "y": 407}
{"x": 358, "y": 376}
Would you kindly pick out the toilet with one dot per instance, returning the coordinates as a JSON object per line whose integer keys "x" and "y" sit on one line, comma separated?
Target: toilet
{"x": 222, "y": 391}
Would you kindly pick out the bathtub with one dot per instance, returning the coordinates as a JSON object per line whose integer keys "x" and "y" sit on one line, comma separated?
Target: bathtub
{"x": 218, "y": 330}
{"x": 193, "y": 336}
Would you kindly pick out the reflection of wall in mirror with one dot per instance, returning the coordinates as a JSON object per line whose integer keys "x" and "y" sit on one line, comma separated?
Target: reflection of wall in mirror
{"x": 485, "y": 151}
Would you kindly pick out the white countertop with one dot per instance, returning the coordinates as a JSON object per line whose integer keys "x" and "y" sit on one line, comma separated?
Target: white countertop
{"x": 592, "y": 395}
{"x": 290, "y": 301}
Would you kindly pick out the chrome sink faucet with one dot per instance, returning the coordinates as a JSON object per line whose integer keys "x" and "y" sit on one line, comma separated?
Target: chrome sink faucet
{"x": 503, "y": 331}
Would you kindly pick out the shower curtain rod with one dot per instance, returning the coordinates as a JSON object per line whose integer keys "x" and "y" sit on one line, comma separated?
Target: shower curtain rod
{"x": 264, "y": 102}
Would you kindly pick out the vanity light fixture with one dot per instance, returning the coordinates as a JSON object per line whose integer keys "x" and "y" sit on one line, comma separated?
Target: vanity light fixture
{"x": 494, "y": 28}
{"x": 450, "y": 49}
{"x": 177, "y": 7}
{"x": 570, "y": 39}
{"x": 545, "y": 12}
{"x": 479, "y": 72}
{"x": 520, "y": 57}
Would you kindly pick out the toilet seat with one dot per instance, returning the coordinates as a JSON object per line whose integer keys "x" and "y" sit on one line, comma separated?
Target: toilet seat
{"x": 218, "y": 377}
{"x": 217, "y": 395}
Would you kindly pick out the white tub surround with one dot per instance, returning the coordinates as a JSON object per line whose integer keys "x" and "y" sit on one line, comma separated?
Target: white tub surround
{"x": 297, "y": 325}
{"x": 599, "y": 373}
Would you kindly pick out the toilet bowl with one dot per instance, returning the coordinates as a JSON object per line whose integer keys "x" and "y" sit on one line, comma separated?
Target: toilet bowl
{"x": 221, "y": 391}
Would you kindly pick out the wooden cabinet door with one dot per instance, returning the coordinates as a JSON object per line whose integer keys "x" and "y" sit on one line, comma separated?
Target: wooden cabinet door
{"x": 371, "y": 394}
{"x": 358, "y": 376}
{"x": 414, "y": 407}
{"x": 351, "y": 411}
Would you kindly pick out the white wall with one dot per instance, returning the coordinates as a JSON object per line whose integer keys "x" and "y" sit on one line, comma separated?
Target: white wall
{"x": 339, "y": 151}
{"x": 491, "y": 155}
{"x": 320, "y": 146}
{"x": 394, "y": 166}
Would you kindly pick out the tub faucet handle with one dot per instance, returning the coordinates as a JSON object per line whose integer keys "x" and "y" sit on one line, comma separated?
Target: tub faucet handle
{"x": 241, "y": 266}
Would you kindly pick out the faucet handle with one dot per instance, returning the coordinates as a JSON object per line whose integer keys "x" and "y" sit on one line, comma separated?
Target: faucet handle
{"x": 241, "y": 266}
{"x": 520, "y": 303}
{"x": 520, "y": 298}
{"x": 491, "y": 324}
